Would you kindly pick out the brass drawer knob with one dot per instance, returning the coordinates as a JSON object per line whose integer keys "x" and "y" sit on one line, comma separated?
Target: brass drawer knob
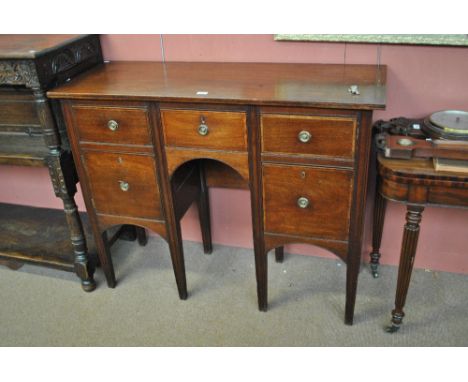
{"x": 203, "y": 128}
{"x": 124, "y": 186}
{"x": 304, "y": 136}
{"x": 303, "y": 202}
{"x": 112, "y": 125}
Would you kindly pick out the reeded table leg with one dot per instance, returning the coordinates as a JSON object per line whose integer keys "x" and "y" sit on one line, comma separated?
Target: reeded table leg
{"x": 408, "y": 251}
{"x": 380, "y": 206}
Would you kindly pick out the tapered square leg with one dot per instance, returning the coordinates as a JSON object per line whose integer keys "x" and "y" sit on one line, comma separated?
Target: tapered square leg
{"x": 352, "y": 273}
{"x": 203, "y": 204}
{"x": 105, "y": 258}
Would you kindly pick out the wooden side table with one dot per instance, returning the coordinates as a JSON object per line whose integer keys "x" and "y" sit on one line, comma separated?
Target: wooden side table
{"x": 32, "y": 133}
{"x": 415, "y": 183}
{"x": 297, "y": 134}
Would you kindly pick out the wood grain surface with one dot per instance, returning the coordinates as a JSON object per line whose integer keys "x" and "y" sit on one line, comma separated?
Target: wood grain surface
{"x": 234, "y": 83}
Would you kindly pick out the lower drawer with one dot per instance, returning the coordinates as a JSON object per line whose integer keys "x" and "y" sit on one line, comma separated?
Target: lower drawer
{"x": 307, "y": 201}
{"x": 123, "y": 184}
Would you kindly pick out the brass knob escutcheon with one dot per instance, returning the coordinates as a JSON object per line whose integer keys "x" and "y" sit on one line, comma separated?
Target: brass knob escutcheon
{"x": 203, "y": 128}
{"x": 304, "y": 136}
{"x": 112, "y": 125}
{"x": 303, "y": 202}
{"x": 124, "y": 186}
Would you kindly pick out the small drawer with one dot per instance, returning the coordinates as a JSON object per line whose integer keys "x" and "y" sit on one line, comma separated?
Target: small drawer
{"x": 308, "y": 135}
{"x": 109, "y": 124}
{"x": 307, "y": 201}
{"x": 218, "y": 130}
{"x": 123, "y": 184}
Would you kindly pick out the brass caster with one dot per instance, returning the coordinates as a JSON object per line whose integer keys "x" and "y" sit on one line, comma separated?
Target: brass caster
{"x": 88, "y": 285}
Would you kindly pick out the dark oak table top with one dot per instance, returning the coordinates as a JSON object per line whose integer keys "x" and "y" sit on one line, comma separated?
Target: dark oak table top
{"x": 29, "y": 46}
{"x": 236, "y": 83}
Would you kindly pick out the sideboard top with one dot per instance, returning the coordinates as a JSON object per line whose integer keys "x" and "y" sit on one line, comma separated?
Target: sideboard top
{"x": 247, "y": 83}
{"x": 28, "y": 46}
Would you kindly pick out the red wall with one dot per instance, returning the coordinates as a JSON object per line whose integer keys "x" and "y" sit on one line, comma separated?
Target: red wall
{"x": 420, "y": 80}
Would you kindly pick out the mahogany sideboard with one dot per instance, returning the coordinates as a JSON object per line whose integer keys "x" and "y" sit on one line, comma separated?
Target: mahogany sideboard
{"x": 32, "y": 133}
{"x": 415, "y": 183}
{"x": 148, "y": 138}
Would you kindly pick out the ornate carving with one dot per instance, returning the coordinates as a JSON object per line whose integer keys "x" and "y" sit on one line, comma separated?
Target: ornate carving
{"x": 56, "y": 67}
{"x": 18, "y": 73}
{"x": 85, "y": 51}
{"x": 73, "y": 55}
{"x": 63, "y": 61}
{"x": 62, "y": 173}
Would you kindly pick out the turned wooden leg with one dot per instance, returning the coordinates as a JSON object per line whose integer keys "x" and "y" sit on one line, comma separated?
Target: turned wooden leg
{"x": 203, "y": 204}
{"x": 64, "y": 179}
{"x": 408, "y": 252}
{"x": 84, "y": 268}
{"x": 380, "y": 206}
{"x": 279, "y": 254}
{"x": 141, "y": 236}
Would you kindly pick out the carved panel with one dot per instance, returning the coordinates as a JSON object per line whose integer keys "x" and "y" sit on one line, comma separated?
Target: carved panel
{"x": 18, "y": 73}
{"x": 63, "y": 174}
{"x": 55, "y": 67}
{"x": 63, "y": 61}
{"x": 85, "y": 50}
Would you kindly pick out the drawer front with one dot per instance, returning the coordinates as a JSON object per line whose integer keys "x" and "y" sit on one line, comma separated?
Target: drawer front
{"x": 307, "y": 201}
{"x": 123, "y": 184}
{"x": 109, "y": 124}
{"x": 308, "y": 135}
{"x": 18, "y": 109}
{"x": 218, "y": 130}
{"x": 23, "y": 146}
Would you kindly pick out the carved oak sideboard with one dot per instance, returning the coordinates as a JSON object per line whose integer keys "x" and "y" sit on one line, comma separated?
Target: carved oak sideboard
{"x": 298, "y": 136}
{"x": 32, "y": 133}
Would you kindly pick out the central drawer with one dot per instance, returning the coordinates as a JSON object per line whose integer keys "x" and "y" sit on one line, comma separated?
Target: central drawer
{"x": 307, "y": 201}
{"x": 217, "y": 130}
{"x": 123, "y": 184}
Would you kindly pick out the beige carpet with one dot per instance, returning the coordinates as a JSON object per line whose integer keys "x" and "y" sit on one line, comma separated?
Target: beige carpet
{"x": 42, "y": 307}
